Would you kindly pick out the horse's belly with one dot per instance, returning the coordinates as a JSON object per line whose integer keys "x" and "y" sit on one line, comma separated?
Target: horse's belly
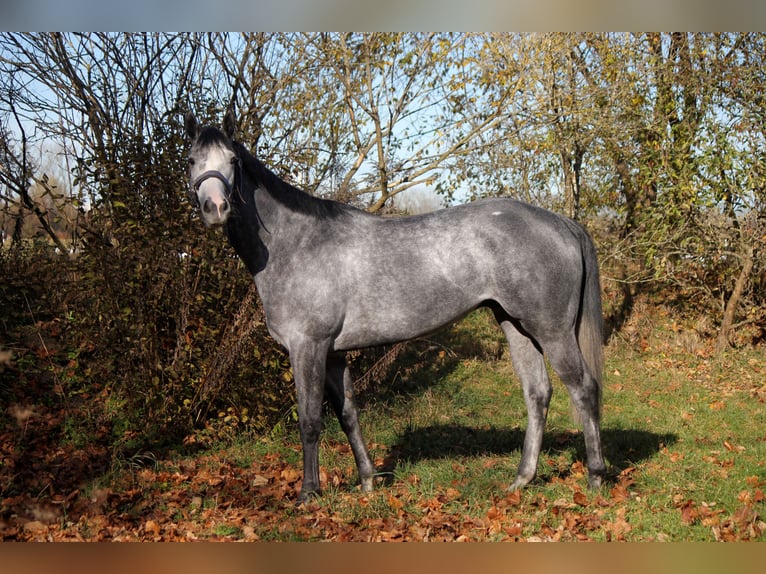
{"x": 392, "y": 319}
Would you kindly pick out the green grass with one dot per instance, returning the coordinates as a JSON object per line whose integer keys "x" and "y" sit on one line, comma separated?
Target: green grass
{"x": 683, "y": 433}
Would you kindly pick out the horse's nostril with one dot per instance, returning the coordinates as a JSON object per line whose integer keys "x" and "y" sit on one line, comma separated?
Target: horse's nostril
{"x": 214, "y": 208}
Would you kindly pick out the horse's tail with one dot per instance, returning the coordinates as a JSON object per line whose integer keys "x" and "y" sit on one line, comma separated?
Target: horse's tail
{"x": 590, "y": 325}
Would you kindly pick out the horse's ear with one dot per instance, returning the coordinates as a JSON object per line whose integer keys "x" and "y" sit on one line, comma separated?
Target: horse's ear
{"x": 190, "y": 123}
{"x": 229, "y": 123}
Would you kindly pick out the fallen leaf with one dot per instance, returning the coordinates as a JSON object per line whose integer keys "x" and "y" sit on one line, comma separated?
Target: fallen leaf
{"x": 754, "y": 481}
{"x": 601, "y": 501}
{"x": 580, "y": 498}
{"x": 617, "y": 529}
{"x": 619, "y": 493}
{"x": 290, "y": 475}
{"x": 689, "y": 513}
{"x": 744, "y": 516}
{"x": 494, "y": 513}
{"x": 152, "y": 528}
{"x": 260, "y": 480}
{"x": 452, "y": 493}
{"x": 733, "y": 448}
{"x": 395, "y": 502}
{"x": 513, "y": 498}
{"x": 625, "y": 477}
{"x": 35, "y": 527}
{"x": 249, "y": 533}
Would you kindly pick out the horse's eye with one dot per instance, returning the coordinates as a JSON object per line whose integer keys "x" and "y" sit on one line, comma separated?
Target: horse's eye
{"x": 234, "y": 160}
{"x": 191, "y": 161}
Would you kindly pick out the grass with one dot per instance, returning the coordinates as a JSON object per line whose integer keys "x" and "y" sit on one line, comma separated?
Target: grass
{"x": 683, "y": 433}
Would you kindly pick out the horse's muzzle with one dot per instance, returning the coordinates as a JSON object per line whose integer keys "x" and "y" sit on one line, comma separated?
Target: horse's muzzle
{"x": 215, "y": 211}
{"x": 215, "y": 208}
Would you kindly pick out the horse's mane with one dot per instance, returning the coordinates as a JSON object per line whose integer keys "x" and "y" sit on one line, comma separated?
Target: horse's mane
{"x": 284, "y": 193}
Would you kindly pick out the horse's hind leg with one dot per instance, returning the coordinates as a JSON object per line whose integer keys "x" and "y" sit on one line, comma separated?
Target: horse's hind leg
{"x": 529, "y": 364}
{"x": 567, "y": 360}
{"x": 341, "y": 392}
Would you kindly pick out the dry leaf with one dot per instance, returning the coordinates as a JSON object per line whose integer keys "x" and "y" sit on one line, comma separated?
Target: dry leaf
{"x": 290, "y": 475}
{"x": 513, "y": 498}
{"x": 580, "y": 498}
{"x": 259, "y": 480}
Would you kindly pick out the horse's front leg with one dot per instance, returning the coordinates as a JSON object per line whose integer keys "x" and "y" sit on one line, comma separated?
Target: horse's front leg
{"x": 308, "y": 361}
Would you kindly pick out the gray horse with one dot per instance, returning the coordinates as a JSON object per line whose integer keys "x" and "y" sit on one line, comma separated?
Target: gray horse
{"x": 334, "y": 278}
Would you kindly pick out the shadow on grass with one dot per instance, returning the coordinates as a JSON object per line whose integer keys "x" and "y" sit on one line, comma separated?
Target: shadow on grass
{"x": 415, "y": 366}
{"x": 623, "y": 448}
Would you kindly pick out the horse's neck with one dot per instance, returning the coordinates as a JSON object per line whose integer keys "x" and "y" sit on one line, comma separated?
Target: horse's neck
{"x": 248, "y": 232}
{"x": 262, "y": 223}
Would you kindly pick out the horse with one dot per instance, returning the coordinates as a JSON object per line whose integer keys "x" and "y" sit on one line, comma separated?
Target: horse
{"x": 333, "y": 278}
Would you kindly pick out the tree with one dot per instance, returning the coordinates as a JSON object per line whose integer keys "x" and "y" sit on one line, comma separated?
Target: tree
{"x": 16, "y": 175}
{"x": 144, "y": 303}
{"x": 734, "y": 168}
{"x": 360, "y": 117}
{"x": 654, "y": 141}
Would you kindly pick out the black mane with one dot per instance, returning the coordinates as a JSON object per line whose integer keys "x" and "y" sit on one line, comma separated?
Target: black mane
{"x": 286, "y": 194}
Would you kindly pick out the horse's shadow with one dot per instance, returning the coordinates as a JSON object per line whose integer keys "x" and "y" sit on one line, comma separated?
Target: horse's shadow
{"x": 623, "y": 448}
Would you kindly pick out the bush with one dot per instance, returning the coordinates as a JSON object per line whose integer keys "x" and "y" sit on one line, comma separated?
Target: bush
{"x": 154, "y": 321}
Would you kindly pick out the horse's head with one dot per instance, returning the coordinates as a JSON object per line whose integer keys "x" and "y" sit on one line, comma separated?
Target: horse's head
{"x": 212, "y": 168}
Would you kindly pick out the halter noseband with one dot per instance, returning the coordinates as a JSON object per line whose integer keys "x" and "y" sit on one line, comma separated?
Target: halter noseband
{"x": 212, "y": 173}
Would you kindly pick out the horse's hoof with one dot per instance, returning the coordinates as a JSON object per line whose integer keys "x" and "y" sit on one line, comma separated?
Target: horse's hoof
{"x": 307, "y": 496}
{"x": 518, "y": 484}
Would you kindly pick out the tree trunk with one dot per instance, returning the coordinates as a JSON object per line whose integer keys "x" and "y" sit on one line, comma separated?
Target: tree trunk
{"x": 731, "y": 305}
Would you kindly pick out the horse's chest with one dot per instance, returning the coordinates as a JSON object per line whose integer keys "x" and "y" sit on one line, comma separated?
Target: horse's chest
{"x": 296, "y": 312}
